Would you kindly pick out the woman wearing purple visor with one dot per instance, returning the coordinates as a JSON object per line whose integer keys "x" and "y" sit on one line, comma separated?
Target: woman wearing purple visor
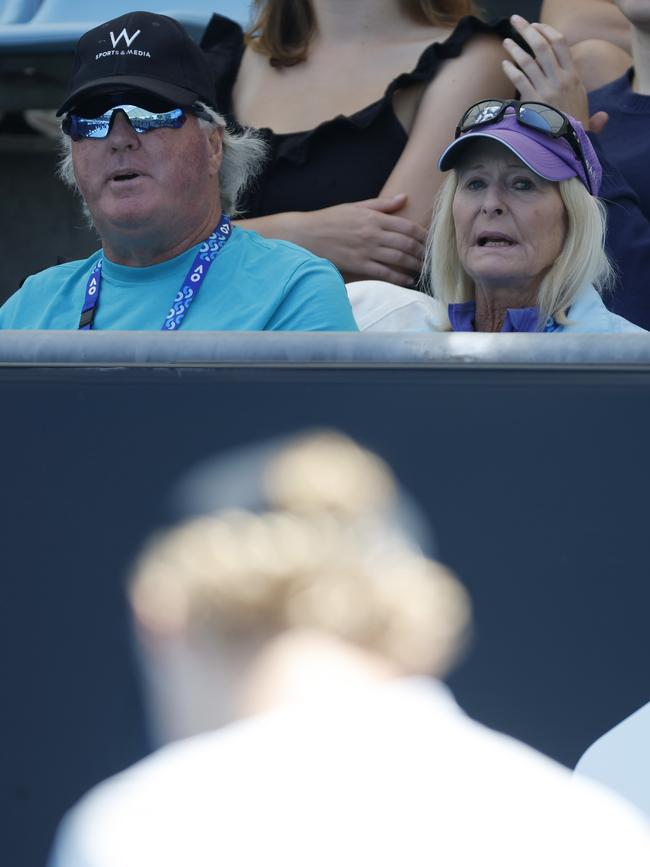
{"x": 517, "y": 239}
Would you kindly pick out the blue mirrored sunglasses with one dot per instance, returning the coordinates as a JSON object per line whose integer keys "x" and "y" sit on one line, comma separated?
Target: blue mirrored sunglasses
{"x": 141, "y": 119}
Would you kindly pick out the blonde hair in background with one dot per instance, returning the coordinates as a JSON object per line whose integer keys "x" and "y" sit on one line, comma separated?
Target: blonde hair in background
{"x": 282, "y": 29}
{"x": 328, "y": 472}
{"x": 314, "y": 560}
{"x": 582, "y": 261}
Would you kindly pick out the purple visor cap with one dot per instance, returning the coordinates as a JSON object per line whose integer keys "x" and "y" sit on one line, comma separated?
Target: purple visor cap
{"x": 552, "y": 158}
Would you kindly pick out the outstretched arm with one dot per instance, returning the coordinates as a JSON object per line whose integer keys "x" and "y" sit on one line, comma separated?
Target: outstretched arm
{"x": 549, "y": 75}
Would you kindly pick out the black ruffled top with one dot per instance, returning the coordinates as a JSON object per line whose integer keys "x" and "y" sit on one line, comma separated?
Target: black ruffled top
{"x": 345, "y": 159}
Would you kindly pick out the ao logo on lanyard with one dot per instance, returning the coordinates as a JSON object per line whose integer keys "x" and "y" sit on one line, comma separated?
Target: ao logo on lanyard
{"x": 208, "y": 252}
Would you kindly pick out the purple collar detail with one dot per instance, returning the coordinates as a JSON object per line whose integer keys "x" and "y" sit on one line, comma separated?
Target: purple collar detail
{"x": 519, "y": 319}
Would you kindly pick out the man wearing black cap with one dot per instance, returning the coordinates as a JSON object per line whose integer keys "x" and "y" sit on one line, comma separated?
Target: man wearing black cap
{"x": 159, "y": 174}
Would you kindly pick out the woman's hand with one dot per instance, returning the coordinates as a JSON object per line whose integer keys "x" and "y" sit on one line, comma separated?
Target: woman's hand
{"x": 365, "y": 240}
{"x": 550, "y": 76}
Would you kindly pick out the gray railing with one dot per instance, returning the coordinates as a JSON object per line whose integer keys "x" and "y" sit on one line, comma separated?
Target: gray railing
{"x": 153, "y": 348}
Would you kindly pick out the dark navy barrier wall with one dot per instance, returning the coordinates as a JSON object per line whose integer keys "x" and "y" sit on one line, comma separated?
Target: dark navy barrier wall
{"x": 529, "y": 454}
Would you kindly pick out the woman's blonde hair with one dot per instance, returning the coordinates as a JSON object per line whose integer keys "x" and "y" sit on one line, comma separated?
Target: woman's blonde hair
{"x": 318, "y": 559}
{"x": 282, "y": 29}
{"x": 582, "y": 261}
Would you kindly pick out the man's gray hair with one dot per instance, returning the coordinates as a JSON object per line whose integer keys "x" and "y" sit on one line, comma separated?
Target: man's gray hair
{"x": 243, "y": 155}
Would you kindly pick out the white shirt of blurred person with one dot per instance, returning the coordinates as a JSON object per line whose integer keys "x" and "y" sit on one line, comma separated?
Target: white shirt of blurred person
{"x": 620, "y": 759}
{"x": 289, "y": 648}
{"x": 517, "y": 238}
{"x": 158, "y": 173}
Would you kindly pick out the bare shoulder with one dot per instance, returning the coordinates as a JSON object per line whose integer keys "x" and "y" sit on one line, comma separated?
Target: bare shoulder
{"x": 480, "y": 57}
{"x": 476, "y": 73}
{"x": 483, "y": 48}
{"x": 254, "y": 64}
{"x": 550, "y": 8}
{"x": 424, "y": 35}
{"x": 254, "y": 76}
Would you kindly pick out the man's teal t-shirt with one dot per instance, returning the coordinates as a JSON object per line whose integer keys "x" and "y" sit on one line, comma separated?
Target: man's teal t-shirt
{"x": 255, "y": 284}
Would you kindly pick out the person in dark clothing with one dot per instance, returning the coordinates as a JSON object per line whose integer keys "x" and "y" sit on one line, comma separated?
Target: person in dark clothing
{"x": 627, "y": 102}
{"x": 352, "y": 132}
{"x": 550, "y": 76}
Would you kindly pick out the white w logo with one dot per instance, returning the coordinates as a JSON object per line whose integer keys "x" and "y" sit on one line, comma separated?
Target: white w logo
{"x": 128, "y": 39}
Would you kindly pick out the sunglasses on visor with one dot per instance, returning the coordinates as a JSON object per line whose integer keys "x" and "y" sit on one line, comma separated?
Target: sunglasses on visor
{"x": 535, "y": 115}
{"x": 87, "y": 124}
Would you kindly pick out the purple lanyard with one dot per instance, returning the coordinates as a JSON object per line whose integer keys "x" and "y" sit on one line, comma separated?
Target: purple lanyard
{"x": 208, "y": 252}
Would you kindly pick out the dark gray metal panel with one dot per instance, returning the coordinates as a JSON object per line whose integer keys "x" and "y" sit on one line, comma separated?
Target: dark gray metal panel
{"x": 534, "y": 478}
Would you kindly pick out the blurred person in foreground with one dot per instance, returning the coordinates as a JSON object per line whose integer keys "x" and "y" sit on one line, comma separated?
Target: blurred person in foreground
{"x": 160, "y": 175}
{"x": 297, "y": 651}
{"x": 620, "y": 759}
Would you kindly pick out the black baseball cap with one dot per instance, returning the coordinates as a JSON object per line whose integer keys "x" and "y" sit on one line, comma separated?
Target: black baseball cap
{"x": 142, "y": 51}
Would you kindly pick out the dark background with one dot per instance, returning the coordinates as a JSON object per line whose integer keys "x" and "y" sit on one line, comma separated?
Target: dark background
{"x": 535, "y": 482}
